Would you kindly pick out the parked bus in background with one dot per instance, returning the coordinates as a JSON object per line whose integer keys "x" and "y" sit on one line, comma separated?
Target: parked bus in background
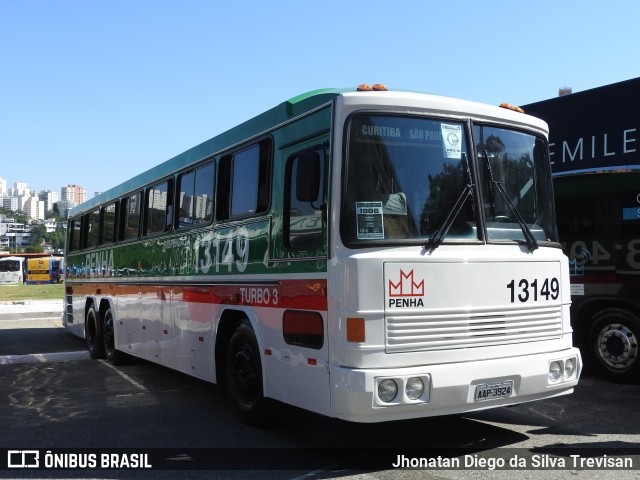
{"x": 11, "y": 270}
{"x": 595, "y": 154}
{"x": 42, "y": 270}
{"x": 365, "y": 254}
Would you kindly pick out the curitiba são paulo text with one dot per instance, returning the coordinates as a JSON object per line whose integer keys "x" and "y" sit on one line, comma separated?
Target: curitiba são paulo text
{"x": 542, "y": 461}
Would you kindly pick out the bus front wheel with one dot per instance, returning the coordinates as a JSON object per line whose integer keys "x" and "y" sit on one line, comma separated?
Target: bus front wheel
{"x": 93, "y": 333}
{"x": 614, "y": 339}
{"x": 244, "y": 376}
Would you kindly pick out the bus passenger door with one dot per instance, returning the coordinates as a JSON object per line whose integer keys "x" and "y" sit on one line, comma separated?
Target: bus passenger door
{"x": 299, "y": 370}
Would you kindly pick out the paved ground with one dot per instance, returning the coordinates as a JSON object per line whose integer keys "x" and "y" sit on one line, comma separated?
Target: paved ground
{"x": 49, "y": 400}
{"x": 33, "y": 332}
{"x": 39, "y": 307}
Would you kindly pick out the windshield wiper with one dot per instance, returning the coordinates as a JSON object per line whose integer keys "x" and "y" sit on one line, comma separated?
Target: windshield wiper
{"x": 530, "y": 240}
{"x": 436, "y": 238}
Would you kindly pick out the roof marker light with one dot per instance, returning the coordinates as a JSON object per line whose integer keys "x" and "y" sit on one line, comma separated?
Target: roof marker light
{"x": 378, "y": 87}
{"x": 363, "y": 87}
{"x": 511, "y": 107}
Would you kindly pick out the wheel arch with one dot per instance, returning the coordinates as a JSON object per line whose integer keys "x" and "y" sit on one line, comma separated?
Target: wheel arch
{"x": 589, "y": 309}
{"x": 228, "y": 322}
{"x": 89, "y": 301}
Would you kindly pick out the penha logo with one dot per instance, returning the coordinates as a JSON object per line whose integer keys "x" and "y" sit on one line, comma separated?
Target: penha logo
{"x": 406, "y": 292}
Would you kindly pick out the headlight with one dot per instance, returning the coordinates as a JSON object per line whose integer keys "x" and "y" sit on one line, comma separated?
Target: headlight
{"x": 555, "y": 371}
{"x": 569, "y": 367}
{"x": 387, "y": 390}
{"x": 414, "y": 388}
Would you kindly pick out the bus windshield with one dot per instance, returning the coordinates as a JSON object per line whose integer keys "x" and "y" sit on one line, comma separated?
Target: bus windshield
{"x": 407, "y": 177}
{"x": 10, "y": 266}
{"x": 519, "y": 163}
{"x": 403, "y": 175}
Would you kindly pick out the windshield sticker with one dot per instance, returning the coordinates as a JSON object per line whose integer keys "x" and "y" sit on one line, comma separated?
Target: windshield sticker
{"x": 369, "y": 220}
{"x": 452, "y": 140}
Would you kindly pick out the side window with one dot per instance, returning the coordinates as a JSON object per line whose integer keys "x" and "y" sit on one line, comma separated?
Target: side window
{"x": 580, "y": 216}
{"x": 244, "y": 182}
{"x": 92, "y": 225}
{"x": 625, "y": 212}
{"x": 158, "y": 208}
{"x": 108, "y": 232}
{"x": 195, "y": 197}
{"x": 131, "y": 217}
{"x": 304, "y": 202}
{"x": 74, "y": 234}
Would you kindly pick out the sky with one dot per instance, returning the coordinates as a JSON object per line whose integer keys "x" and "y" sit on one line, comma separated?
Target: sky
{"x": 93, "y": 92}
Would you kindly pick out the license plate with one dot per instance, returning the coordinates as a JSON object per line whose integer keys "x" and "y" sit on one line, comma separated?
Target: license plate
{"x": 489, "y": 391}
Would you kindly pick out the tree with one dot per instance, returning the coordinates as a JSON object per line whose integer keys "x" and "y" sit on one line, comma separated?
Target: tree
{"x": 18, "y": 217}
{"x": 37, "y": 235}
{"x": 56, "y": 239}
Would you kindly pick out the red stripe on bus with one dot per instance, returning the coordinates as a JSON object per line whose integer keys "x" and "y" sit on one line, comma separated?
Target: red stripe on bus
{"x": 288, "y": 294}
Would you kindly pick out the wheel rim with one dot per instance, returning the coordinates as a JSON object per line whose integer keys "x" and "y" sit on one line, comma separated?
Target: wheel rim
{"x": 617, "y": 346}
{"x": 244, "y": 375}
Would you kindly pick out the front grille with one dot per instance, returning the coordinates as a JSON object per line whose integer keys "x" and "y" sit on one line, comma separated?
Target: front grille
{"x": 471, "y": 328}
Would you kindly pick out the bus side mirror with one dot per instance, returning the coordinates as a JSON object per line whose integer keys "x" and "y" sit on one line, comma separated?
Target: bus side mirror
{"x": 308, "y": 176}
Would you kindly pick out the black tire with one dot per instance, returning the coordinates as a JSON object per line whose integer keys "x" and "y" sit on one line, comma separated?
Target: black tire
{"x": 614, "y": 344}
{"x": 112, "y": 355}
{"x": 244, "y": 376}
{"x": 93, "y": 333}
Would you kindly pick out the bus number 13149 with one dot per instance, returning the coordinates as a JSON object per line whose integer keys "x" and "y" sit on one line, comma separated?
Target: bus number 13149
{"x": 525, "y": 291}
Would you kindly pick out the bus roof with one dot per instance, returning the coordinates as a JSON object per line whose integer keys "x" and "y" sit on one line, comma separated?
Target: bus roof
{"x": 278, "y": 115}
{"x": 25, "y": 255}
{"x": 13, "y": 259}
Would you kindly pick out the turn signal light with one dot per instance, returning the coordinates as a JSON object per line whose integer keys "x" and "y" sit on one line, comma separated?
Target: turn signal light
{"x": 355, "y": 330}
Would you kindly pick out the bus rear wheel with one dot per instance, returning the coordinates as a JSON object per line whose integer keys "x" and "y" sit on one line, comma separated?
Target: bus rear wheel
{"x": 93, "y": 333}
{"x": 244, "y": 376}
{"x": 112, "y": 355}
{"x": 614, "y": 339}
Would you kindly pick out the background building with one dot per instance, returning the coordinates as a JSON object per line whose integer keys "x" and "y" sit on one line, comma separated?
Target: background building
{"x": 13, "y": 235}
{"x": 49, "y": 197}
{"x": 33, "y": 207}
{"x": 74, "y": 194}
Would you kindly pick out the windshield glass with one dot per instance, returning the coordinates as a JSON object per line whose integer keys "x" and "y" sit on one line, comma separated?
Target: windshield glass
{"x": 9, "y": 266}
{"x": 403, "y": 178}
{"x": 519, "y": 162}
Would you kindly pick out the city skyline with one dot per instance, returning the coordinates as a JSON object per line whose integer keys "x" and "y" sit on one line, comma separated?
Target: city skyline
{"x": 37, "y": 203}
{"x": 4, "y": 180}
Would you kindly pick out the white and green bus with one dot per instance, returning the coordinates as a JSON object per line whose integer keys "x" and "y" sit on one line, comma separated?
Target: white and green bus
{"x": 365, "y": 254}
